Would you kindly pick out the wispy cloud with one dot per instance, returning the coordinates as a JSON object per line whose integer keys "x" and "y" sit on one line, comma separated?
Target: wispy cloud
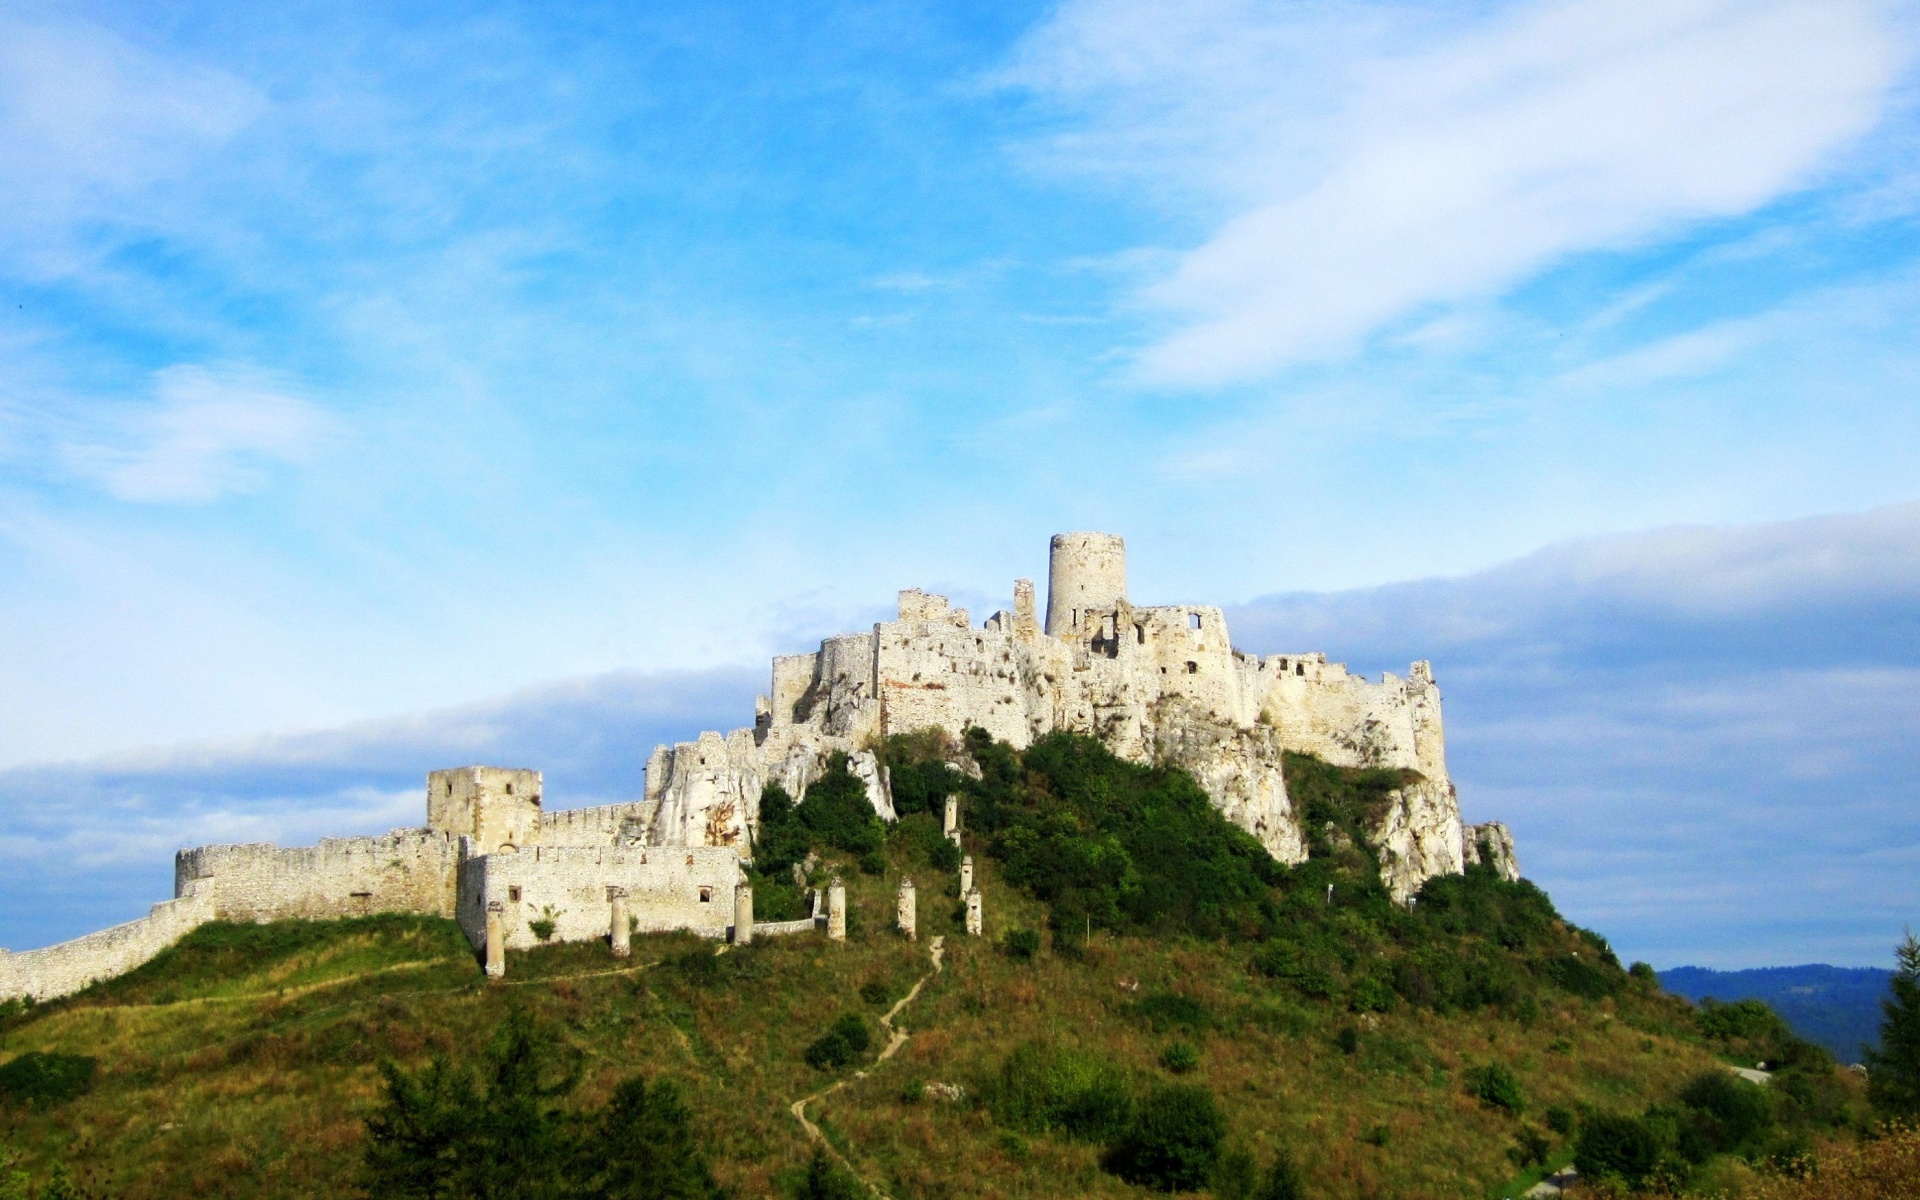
{"x": 1700, "y": 734}
{"x": 207, "y": 434}
{"x": 1447, "y": 173}
{"x": 87, "y": 117}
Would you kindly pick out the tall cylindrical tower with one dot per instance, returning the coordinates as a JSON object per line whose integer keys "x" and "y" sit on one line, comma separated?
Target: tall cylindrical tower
{"x": 1084, "y": 570}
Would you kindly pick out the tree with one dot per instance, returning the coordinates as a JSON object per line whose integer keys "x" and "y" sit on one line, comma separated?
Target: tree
{"x": 502, "y": 1133}
{"x": 1174, "y": 1141}
{"x": 644, "y": 1148}
{"x": 1893, "y": 1079}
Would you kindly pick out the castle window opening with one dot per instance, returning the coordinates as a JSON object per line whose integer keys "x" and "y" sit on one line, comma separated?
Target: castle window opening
{"x": 1299, "y": 668}
{"x": 509, "y": 789}
{"x": 706, "y": 895}
{"x": 1193, "y": 620}
{"x": 513, "y": 895}
{"x": 1193, "y": 668}
{"x": 1140, "y": 634}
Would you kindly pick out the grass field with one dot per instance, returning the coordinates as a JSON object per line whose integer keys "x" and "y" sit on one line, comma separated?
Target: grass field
{"x": 242, "y": 1062}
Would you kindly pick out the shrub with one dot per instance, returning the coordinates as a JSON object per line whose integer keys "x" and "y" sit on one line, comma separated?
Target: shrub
{"x": 1283, "y": 1181}
{"x": 836, "y": 811}
{"x": 824, "y": 1181}
{"x": 1347, "y": 1040}
{"x": 840, "y": 1045}
{"x": 876, "y": 991}
{"x": 1297, "y": 966}
{"x": 1743, "y": 1020}
{"x": 45, "y": 1080}
{"x": 543, "y": 924}
{"x": 1560, "y": 1119}
{"x": 1370, "y": 993}
{"x": 1180, "y": 1057}
{"x": 1575, "y": 974}
{"x": 1171, "y": 1010}
{"x": 1022, "y": 943}
{"x": 1494, "y": 1086}
{"x": 1736, "y": 1112}
{"x": 1040, "y": 1089}
{"x": 1617, "y": 1147}
{"x": 447, "y": 1131}
{"x": 1174, "y": 1141}
{"x": 1122, "y": 846}
{"x": 944, "y": 855}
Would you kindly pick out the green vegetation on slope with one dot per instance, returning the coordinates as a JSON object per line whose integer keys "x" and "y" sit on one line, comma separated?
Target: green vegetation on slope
{"x": 1345, "y": 1043}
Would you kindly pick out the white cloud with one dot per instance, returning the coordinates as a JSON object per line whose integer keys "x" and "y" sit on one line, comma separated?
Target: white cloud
{"x": 84, "y": 112}
{"x": 209, "y": 435}
{"x": 1360, "y": 182}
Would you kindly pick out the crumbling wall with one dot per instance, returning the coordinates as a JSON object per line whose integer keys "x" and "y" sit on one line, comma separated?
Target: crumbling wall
{"x": 603, "y": 825}
{"x": 668, "y": 887}
{"x": 407, "y": 870}
{"x": 65, "y": 968}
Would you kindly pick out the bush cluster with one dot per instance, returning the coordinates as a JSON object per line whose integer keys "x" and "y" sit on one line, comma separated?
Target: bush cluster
{"x": 835, "y": 812}
{"x": 44, "y": 1080}
{"x": 847, "y": 1040}
{"x": 1129, "y": 848}
{"x": 445, "y": 1131}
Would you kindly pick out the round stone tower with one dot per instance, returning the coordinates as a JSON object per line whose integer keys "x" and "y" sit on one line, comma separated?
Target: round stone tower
{"x": 1084, "y": 571}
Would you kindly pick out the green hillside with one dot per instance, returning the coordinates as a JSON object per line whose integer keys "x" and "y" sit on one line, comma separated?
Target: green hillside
{"x": 1134, "y": 943}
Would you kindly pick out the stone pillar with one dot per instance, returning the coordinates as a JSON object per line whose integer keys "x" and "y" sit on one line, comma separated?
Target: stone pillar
{"x": 966, "y": 874}
{"x": 496, "y": 940}
{"x": 905, "y": 908}
{"x": 837, "y": 911}
{"x": 620, "y": 931}
{"x": 976, "y": 919}
{"x": 743, "y": 914}
{"x": 950, "y": 823}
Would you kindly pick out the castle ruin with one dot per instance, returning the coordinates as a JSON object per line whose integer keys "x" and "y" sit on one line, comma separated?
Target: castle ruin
{"x": 1155, "y": 683}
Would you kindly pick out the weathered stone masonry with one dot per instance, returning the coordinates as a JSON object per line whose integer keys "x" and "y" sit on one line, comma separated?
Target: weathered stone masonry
{"x": 1156, "y": 683}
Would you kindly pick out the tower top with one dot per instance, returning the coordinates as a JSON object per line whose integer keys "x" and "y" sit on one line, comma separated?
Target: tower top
{"x": 1084, "y": 571}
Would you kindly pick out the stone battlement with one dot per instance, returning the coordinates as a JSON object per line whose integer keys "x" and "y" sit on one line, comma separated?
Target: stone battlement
{"x": 1157, "y": 684}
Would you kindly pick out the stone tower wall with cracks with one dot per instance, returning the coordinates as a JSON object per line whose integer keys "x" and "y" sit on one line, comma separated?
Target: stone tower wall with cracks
{"x": 1086, "y": 572}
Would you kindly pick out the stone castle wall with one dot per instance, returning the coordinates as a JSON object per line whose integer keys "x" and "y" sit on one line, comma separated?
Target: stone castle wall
{"x": 1156, "y": 684}
{"x": 63, "y": 969}
{"x": 407, "y": 870}
{"x": 667, "y": 888}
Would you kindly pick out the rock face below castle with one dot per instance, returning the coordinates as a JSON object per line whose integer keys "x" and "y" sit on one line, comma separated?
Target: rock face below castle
{"x": 1155, "y": 683}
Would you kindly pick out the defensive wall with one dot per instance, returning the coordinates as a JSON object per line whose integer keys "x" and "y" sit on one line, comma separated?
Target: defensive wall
{"x": 1156, "y": 683}
{"x": 63, "y": 969}
{"x": 667, "y": 888}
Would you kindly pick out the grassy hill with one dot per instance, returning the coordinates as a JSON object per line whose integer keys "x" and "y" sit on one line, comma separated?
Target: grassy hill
{"x": 1351, "y": 1035}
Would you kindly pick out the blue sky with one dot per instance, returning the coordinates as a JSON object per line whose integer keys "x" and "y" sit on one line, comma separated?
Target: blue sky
{"x": 380, "y": 383}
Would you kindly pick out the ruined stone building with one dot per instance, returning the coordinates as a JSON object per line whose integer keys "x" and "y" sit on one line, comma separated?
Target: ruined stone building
{"x": 1155, "y": 683}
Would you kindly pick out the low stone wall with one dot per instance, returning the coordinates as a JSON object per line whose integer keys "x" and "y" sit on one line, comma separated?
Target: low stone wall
{"x": 668, "y": 888}
{"x": 408, "y": 870}
{"x": 63, "y": 969}
{"x": 780, "y": 928}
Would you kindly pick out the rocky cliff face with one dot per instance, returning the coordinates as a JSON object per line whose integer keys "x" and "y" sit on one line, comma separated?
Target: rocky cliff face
{"x": 1157, "y": 684}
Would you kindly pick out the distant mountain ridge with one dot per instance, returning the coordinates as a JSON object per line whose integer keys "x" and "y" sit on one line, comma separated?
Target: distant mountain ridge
{"x": 1838, "y": 1007}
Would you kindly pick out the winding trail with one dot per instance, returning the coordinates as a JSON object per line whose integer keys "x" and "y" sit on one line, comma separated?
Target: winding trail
{"x": 896, "y": 1038}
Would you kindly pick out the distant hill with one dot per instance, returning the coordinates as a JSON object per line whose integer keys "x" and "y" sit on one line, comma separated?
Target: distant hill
{"x": 1838, "y": 1007}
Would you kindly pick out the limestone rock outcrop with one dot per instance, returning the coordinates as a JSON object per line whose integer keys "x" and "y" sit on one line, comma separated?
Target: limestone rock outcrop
{"x": 1155, "y": 683}
{"x": 1491, "y": 843}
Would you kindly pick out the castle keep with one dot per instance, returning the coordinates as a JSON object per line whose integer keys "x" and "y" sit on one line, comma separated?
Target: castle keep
{"x": 1155, "y": 683}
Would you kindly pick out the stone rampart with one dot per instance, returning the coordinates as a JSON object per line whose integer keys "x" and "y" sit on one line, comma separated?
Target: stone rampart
{"x": 407, "y": 870}
{"x": 61, "y": 970}
{"x": 668, "y": 887}
{"x": 604, "y": 825}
